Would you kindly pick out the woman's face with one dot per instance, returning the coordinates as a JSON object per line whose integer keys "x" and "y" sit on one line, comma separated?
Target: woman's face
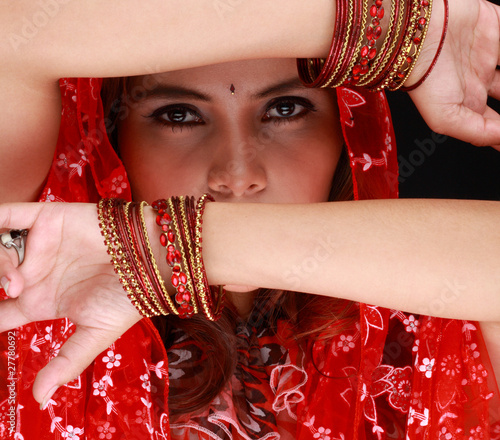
{"x": 243, "y": 131}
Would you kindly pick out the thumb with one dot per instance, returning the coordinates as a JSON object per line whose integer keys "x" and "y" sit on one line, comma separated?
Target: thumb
{"x": 11, "y": 280}
{"x": 75, "y": 355}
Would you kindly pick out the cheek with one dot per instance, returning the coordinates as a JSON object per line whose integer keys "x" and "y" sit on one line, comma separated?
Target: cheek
{"x": 154, "y": 171}
{"x": 315, "y": 166}
{"x": 318, "y": 182}
{"x": 306, "y": 178}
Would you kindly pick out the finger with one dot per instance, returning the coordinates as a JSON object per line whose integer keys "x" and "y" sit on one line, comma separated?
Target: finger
{"x": 11, "y": 316}
{"x": 75, "y": 355}
{"x": 495, "y": 86}
{"x": 472, "y": 127}
{"x": 10, "y": 279}
{"x": 21, "y": 215}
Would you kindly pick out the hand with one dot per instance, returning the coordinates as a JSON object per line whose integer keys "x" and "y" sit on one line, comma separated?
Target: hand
{"x": 453, "y": 98}
{"x": 66, "y": 273}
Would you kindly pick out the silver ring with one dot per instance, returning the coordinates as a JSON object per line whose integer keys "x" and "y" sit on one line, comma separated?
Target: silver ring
{"x": 15, "y": 238}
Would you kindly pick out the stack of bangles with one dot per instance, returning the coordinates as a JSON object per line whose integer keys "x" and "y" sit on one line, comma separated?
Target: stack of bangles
{"x": 180, "y": 219}
{"x": 361, "y": 56}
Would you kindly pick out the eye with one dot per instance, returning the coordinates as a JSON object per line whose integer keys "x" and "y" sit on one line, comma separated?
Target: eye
{"x": 287, "y": 108}
{"x": 176, "y": 116}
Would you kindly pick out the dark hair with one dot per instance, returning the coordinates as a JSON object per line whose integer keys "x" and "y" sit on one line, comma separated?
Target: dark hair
{"x": 311, "y": 316}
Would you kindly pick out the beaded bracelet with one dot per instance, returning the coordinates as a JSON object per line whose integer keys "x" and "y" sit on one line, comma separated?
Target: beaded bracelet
{"x": 183, "y": 277}
{"x": 124, "y": 230}
{"x": 369, "y": 49}
{"x": 389, "y": 46}
{"x": 438, "y": 52}
{"x": 354, "y": 58}
{"x": 181, "y": 224}
{"x": 166, "y": 305}
{"x": 115, "y": 239}
{"x": 211, "y": 299}
{"x": 412, "y": 45}
{"x": 132, "y": 244}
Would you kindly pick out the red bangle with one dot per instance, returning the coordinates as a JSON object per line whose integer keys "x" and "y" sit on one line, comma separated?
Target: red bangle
{"x": 440, "y": 48}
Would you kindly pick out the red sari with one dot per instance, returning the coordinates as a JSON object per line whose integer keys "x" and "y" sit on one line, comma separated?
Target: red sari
{"x": 393, "y": 375}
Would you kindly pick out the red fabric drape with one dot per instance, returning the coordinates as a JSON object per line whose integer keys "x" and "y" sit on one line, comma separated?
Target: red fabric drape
{"x": 393, "y": 375}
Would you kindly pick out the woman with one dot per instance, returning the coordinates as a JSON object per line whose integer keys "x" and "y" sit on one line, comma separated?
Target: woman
{"x": 195, "y": 135}
{"x": 112, "y": 182}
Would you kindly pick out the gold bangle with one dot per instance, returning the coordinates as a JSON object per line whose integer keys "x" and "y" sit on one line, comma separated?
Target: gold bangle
{"x": 159, "y": 279}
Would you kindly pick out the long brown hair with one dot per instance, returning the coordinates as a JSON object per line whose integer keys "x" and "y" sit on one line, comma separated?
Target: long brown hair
{"x": 311, "y": 316}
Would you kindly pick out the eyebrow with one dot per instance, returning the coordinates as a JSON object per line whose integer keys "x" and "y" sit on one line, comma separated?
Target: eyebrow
{"x": 174, "y": 91}
{"x": 162, "y": 89}
{"x": 281, "y": 87}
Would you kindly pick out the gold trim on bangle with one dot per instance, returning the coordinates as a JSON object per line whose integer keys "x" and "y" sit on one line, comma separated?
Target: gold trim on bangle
{"x": 161, "y": 282}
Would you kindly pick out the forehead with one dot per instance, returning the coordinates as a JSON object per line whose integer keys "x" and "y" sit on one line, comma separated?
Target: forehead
{"x": 249, "y": 77}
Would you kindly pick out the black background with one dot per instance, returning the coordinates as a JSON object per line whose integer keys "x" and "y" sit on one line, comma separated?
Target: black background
{"x": 435, "y": 166}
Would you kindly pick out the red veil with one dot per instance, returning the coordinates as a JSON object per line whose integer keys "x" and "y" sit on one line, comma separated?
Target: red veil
{"x": 394, "y": 375}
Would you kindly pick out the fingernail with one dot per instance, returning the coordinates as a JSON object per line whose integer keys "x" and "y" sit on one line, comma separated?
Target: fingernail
{"x": 5, "y": 282}
{"x": 47, "y": 397}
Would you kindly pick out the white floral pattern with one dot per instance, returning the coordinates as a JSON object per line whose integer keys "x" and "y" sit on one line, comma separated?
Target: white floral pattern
{"x": 427, "y": 367}
{"x": 111, "y": 359}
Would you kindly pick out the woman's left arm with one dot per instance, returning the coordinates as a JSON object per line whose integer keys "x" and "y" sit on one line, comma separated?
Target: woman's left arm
{"x": 431, "y": 257}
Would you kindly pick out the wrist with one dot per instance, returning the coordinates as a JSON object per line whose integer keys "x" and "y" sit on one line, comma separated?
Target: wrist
{"x": 432, "y": 46}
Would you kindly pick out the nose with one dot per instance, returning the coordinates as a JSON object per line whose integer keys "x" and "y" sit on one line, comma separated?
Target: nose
{"x": 237, "y": 168}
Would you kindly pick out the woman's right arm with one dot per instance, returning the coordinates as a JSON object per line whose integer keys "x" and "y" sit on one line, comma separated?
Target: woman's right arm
{"x": 41, "y": 42}
{"x": 60, "y": 38}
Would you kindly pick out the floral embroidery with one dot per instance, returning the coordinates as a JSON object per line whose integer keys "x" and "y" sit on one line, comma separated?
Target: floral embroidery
{"x": 416, "y": 345}
{"x": 118, "y": 184}
{"x": 62, "y": 161}
{"x": 411, "y": 324}
{"x": 444, "y": 434}
{"x": 400, "y": 394}
{"x": 472, "y": 350}
{"x": 106, "y": 431}
{"x": 146, "y": 384}
{"x": 346, "y": 342}
{"x": 478, "y": 373}
{"x": 50, "y": 197}
{"x": 55, "y": 346}
{"x": 476, "y": 433}
{"x": 99, "y": 388}
{"x": 72, "y": 433}
{"x": 450, "y": 365}
{"x": 112, "y": 359}
{"x": 323, "y": 433}
{"x": 427, "y": 366}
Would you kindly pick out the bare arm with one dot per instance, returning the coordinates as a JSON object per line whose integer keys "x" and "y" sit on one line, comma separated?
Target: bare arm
{"x": 422, "y": 256}
{"x": 41, "y": 42}
{"x": 127, "y": 37}
{"x": 29, "y": 125}
{"x": 431, "y": 257}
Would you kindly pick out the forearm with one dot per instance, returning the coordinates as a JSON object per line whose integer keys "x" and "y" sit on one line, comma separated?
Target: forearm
{"x": 423, "y": 256}
{"x": 95, "y": 38}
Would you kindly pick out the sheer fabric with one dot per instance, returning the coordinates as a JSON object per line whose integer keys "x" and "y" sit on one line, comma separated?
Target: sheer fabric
{"x": 393, "y": 375}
